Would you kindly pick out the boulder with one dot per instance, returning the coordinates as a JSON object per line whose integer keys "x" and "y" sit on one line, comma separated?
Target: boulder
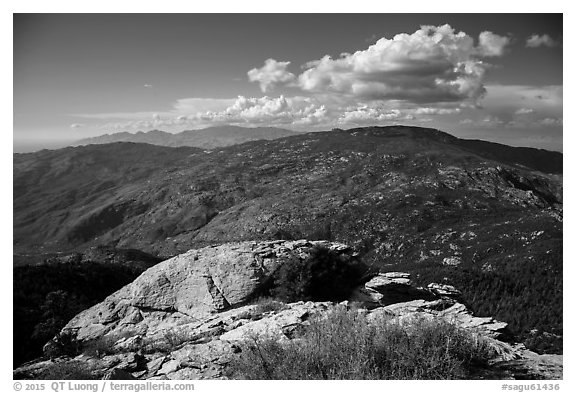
{"x": 444, "y": 290}
{"x": 385, "y": 281}
{"x": 447, "y": 309}
{"x": 389, "y": 288}
{"x": 278, "y": 326}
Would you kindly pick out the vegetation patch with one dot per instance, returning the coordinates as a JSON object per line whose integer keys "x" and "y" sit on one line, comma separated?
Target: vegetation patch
{"x": 343, "y": 345}
{"x": 323, "y": 276}
{"x": 47, "y": 296}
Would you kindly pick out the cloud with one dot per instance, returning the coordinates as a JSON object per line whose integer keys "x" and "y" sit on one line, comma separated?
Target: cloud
{"x": 365, "y": 114}
{"x": 148, "y": 86}
{"x": 535, "y": 41}
{"x": 76, "y": 125}
{"x": 519, "y": 107}
{"x": 187, "y": 106}
{"x": 436, "y": 111}
{"x": 503, "y": 106}
{"x": 271, "y": 74}
{"x": 490, "y": 44}
{"x": 295, "y": 111}
{"x": 547, "y": 101}
{"x": 524, "y": 111}
{"x": 269, "y": 110}
{"x": 551, "y": 121}
{"x": 431, "y": 65}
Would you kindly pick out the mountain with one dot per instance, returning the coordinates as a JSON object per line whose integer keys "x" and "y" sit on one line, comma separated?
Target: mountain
{"x": 207, "y": 138}
{"x": 484, "y": 217}
{"x": 165, "y": 200}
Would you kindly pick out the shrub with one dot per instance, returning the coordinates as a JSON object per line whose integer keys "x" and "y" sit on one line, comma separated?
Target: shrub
{"x": 324, "y": 275}
{"x": 64, "y": 343}
{"x": 343, "y": 345}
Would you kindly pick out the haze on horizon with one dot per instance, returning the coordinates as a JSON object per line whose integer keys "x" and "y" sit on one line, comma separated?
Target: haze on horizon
{"x": 496, "y": 77}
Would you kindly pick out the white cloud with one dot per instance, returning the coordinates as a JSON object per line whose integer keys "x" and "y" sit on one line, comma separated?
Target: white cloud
{"x": 285, "y": 111}
{"x": 431, "y": 65}
{"x": 272, "y": 73}
{"x": 76, "y": 125}
{"x": 365, "y": 114}
{"x": 490, "y": 44}
{"x": 524, "y": 111}
{"x": 436, "y": 111}
{"x": 187, "y": 106}
{"x": 280, "y": 110}
{"x": 535, "y": 41}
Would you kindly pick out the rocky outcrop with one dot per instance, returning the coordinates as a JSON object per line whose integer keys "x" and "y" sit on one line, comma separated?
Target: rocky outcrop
{"x": 192, "y": 286}
{"x": 188, "y": 317}
{"x": 397, "y": 287}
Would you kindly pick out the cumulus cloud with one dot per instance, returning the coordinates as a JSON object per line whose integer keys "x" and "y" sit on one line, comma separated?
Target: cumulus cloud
{"x": 433, "y": 64}
{"x": 490, "y": 44}
{"x": 270, "y": 110}
{"x": 295, "y": 111}
{"x": 535, "y": 41}
{"x": 271, "y": 74}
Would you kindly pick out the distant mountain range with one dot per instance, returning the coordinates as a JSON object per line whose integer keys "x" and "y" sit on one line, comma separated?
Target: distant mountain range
{"x": 207, "y": 138}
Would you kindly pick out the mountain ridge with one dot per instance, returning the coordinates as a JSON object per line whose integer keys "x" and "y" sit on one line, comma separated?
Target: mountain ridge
{"x": 207, "y": 138}
{"x": 115, "y": 169}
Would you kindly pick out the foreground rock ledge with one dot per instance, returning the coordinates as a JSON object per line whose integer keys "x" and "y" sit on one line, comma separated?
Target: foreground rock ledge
{"x": 190, "y": 315}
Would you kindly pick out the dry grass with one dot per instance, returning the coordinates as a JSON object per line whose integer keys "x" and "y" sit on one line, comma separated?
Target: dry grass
{"x": 344, "y": 346}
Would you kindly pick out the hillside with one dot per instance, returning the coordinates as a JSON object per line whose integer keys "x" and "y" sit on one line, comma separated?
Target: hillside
{"x": 207, "y": 138}
{"x": 165, "y": 201}
{"x": 484, "y": 216}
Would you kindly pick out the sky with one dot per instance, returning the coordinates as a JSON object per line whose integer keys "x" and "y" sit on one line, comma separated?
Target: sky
{"x": 495, "y": 77}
